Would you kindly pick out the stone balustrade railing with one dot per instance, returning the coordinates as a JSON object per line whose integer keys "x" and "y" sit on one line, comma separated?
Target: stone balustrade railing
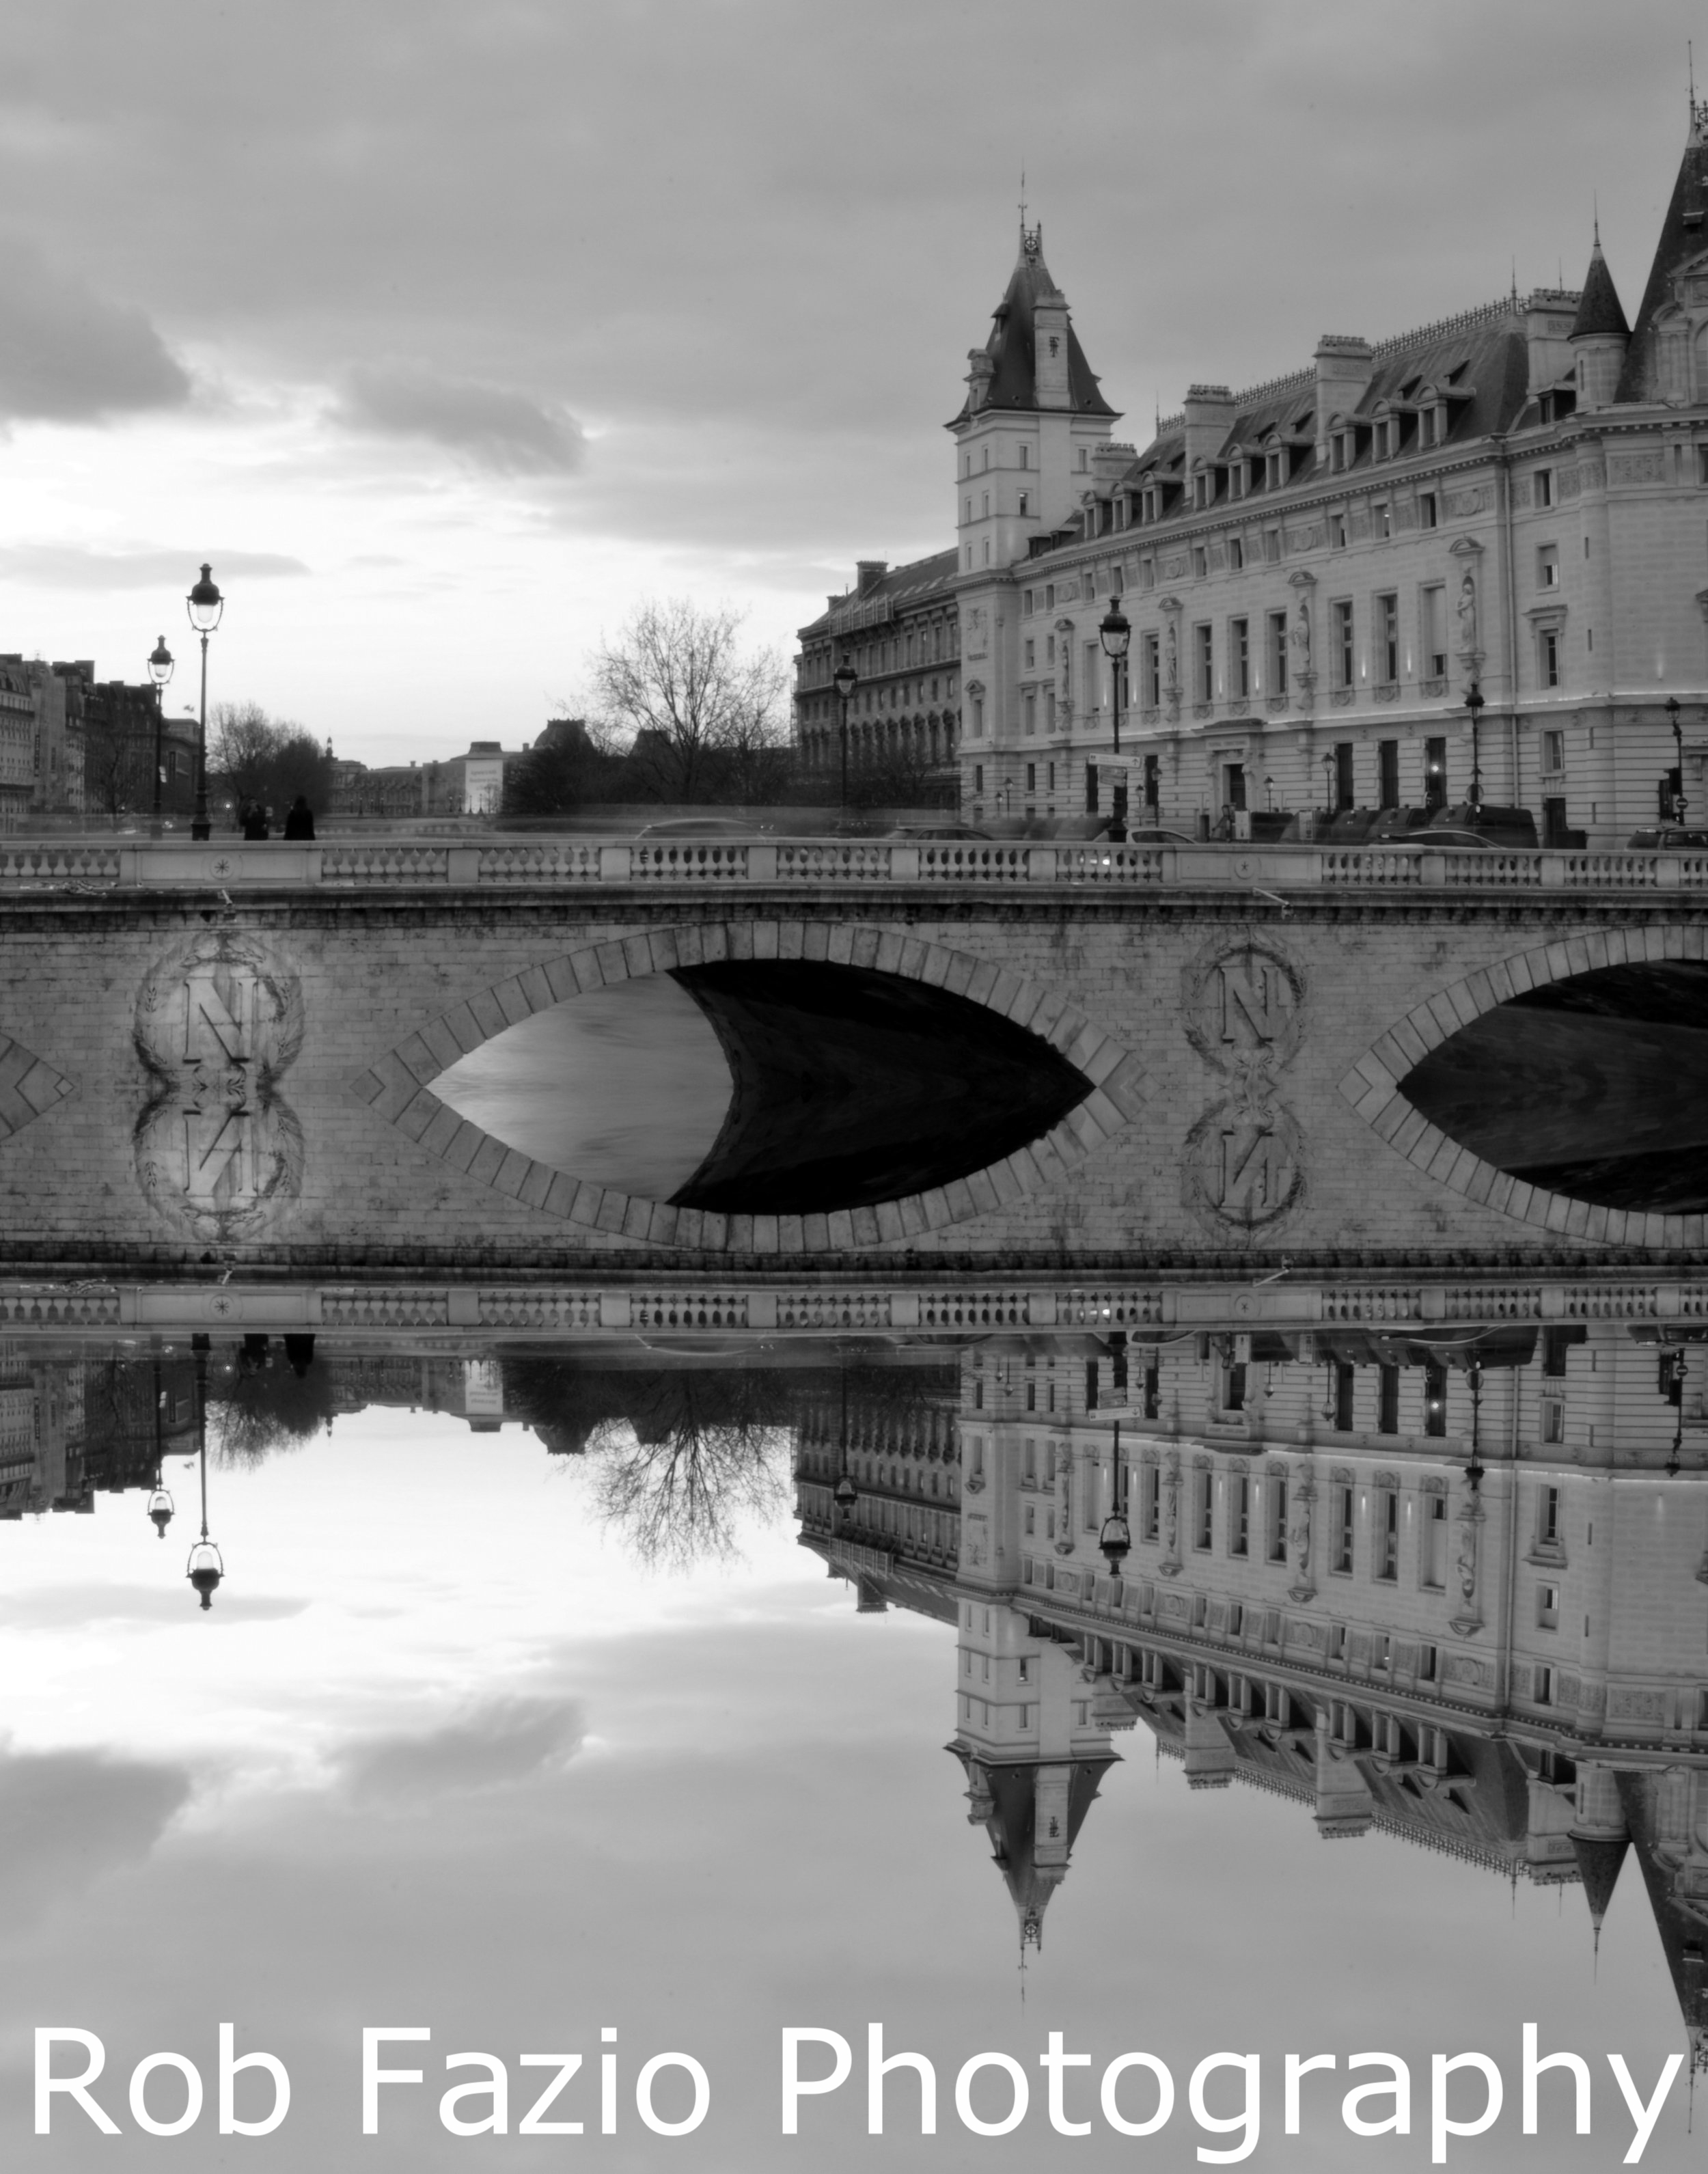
{"x": 823, "y": 864}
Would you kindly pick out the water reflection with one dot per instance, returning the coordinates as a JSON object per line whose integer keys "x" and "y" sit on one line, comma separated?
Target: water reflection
{"x": 1443, "y": 1584}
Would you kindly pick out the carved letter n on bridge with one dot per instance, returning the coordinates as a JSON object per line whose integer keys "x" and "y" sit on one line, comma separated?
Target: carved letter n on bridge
{"x": 1244, "y": 1013}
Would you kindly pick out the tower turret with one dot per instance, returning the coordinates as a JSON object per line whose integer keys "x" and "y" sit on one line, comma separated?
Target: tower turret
{"x": 1599, "y": 334}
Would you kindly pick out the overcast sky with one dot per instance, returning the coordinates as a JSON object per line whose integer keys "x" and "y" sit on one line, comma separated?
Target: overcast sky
{"x": 449, "y": 332}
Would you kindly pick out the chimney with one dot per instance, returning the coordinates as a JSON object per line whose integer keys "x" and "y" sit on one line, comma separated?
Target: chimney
{"x": 1209, "y": 410}
{"x": 1049, "y": 351}
{"x": 867, "y": 574}
{"x": 1344, "y": 368}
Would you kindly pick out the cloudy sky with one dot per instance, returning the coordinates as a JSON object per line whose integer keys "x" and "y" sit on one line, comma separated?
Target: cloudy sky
{"x": 447, "y": 332}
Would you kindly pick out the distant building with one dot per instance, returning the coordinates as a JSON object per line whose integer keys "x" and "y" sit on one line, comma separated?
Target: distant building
{"x": 901, "y": 630}
{"x": 117, "y": 735}
{"x": 471, "y": 784}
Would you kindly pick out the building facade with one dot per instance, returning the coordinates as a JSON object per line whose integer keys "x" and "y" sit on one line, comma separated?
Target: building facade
{"x": 899, "y": 629}
{"x": 1318, "y": 571}
{"x": 471, "y": 784}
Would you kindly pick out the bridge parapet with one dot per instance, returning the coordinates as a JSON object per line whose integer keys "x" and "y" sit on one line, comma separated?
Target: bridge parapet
{"x": 828, "y": 865}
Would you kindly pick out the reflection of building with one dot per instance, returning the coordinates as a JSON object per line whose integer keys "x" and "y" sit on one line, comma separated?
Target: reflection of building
{"x": 72, "y": 1429}
{"x": 1444, "y": 1586}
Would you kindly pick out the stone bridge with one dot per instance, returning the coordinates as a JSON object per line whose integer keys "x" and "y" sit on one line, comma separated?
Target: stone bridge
{"x": 228, "y": 1055}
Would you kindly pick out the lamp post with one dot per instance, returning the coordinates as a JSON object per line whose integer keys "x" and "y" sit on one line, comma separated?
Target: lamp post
{"x": 160, "y": 666}
{"x": 1674, "y": 715}
{"x": 205, "y": 1568}
{"x": 1474, "y": 703}
{"x": 1329, "y": 782}
{"x": 206, "y": 608}
{"x": 1116, "y": 1537}
{"x": 845, "y": 679}
{"x": 1116, "y": 634}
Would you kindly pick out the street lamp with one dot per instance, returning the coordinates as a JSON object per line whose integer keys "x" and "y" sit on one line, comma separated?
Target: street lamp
{"x": 205, "y": 1568}
{"x": 1474, "y": 703}
{"x": 1329, "y": 782}
{"x": 845, "y": 679}
{"x": 1673, "y": 715}
{"x": 161, "y": 665}
{"x": 1116, "y": 634}
{"x": 206, "y": 607}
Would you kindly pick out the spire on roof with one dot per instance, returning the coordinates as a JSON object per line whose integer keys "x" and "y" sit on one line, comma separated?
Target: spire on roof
{"x": 1599, "y": 1859}
{"x": 1684, "y": 235}
{"x": 1007, "y": 368}
{"x": 1599, "y": 313}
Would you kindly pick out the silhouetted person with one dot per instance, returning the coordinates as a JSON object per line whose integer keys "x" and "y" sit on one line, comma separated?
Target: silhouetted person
{"x": 299, "y": 822}
{"x": 254, "y": 821}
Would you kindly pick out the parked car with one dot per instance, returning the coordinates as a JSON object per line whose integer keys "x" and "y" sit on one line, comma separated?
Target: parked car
{"x": 1668, "y": 838}
{"x": 937, "y": 833}
{"x": 1510, "y": 827}
{"x": 699, "y": 826}
{"x": 1155, "y": 836}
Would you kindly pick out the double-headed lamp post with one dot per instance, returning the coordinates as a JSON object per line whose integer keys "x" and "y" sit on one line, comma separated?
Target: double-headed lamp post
{"x": 160, "y": 666}
{"x": 206, "y": 607}
{"x": 845, "y": 679}
{"x": 1474, "y": 703}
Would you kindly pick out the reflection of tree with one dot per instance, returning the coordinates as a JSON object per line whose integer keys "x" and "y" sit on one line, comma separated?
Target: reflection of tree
{"x": 677, "y": 1499}
{"x": 263, "y": 1399}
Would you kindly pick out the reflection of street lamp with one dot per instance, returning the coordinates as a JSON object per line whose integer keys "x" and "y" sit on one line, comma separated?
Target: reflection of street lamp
{"x": 160, "y": 662}
{"x": 846, "y": 1493}
{"x": 1474, "y": 1470}
{"x": 205, "y": 1569}
{"x": 206, "y": 608}
{"x": 1329, "y": 782}
{"x": 1116, "y": 634}
{"x": 1115, "y": 1539}
{"x": 1474, "y": 703}
{"x": 845, "y": 679}
{"x": 1269, "y": 794}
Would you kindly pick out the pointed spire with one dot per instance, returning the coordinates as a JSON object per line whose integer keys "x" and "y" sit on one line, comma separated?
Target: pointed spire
{"x": 1599, "y": 313}
{"x": 1599, "y": 1859}
{"x": 1682, "y": 237}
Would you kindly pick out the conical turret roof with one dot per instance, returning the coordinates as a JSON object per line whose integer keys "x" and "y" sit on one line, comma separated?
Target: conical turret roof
{"x": 1599, "y": 313}
{"x": 1012, "y": 345}
{"x": 1684, "y": 235}
{"x": 1599, "y": 1859}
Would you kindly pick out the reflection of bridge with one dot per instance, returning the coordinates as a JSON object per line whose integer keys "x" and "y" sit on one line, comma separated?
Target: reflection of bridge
{"x": 251, "y": 1071}
{"x": 1439, "y": 1581}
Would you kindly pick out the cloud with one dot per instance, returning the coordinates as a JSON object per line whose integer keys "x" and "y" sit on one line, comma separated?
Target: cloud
{"x": 70, "y": 1815}
{"x": 497, "y": 430}
{"x": 504, "y": 1741}
{"x": 69, "y": 355}
{"x": 79, "y": 566}
{"x": 67, "y": 1607}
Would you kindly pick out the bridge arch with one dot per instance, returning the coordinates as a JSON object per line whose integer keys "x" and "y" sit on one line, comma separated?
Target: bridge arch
{"x": 398, "y": 1087}
{"x": 1373, "y": 1086}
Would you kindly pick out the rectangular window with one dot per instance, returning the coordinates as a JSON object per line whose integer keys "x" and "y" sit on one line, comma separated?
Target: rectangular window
{"x": 1240, "y": 1514}
{"x": 1026, "y": 606}
{"x": 1381, "y": 520}
{"x": 1150, "y": 1502}
{"x": 1434, "y": 1549}
{"x": 1150, "y": 672}
{"x": 1426, "y": 1664}
{"x": 978, "y": 778}
{"x": 1387, "y": 1420}
{"x": 1433, "y": 615}
{"x": 1553, "y": 753}
{"x": 1029, "y": 709}
{"x": 1025, "y": 457}
{"x": 1278, "y": 652}
{"x": 1547, "y": 1517}
{"x": 1345, "y": 1382}
{"x": 1201, "y": 560}
{"x": 1147, "y": 573}
{"x": 1548, "y": 657}
{"x": 1030, "y": 649}
{"x": 1434, "y": 1398}
{"x": 1435, "y": 774}
{"x": 1428, "y": 511}
{"x": 1240, "y": 657}
{"x": 1337, "y": 532}
{"x": 1547, "y": 1607}
{"x": 1544, "y": 486}
{"x": 1272, "y": 547}
{"x": 1342, "y": 644}
{"x": 1553, "y": 1421}
{"x": 1236, "y": 554}
{"x": 1344, "y": 795}
{"x": 1387, "y": 637}
{"x": 1203, "y": 1509}
{"x": 1278, "y": 1520}
{"x": 1340, "y": 1530}
{"x": 1548, "y": 566}
{"x": 1387, "y": 1535}
{"x": 1387, "y": 763}
{"x": 1204, "y": 641}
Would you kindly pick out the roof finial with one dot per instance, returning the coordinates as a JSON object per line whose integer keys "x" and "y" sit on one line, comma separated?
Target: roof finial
{"x": 1595, "y": 203}
{"x": 1022, "y": 196}
{"x": 1515, "y": 282}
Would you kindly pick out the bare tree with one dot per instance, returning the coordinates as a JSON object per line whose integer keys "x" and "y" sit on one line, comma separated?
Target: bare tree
{"x": 676, "y": 679}
{"x": 268, "y": 759}
{"x": 677, "y": 1498}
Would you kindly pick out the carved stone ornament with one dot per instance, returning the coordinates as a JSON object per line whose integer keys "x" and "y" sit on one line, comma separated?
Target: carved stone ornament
{"x": 1243, "y": 1009}
{"x": 218, "y": 1152}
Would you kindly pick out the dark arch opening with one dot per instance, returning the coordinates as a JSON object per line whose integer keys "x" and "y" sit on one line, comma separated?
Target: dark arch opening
{"x": 852, "y": 1087}
{"x": 1595, "y": 1086}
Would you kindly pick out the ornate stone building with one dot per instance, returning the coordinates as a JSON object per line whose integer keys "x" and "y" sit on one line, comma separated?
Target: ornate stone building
{"x": 1319, "y": 569}
{"x": 901, "y": 630}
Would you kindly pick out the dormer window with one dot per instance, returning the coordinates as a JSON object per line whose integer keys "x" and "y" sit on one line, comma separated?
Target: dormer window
{"x": 1201, "y": 489}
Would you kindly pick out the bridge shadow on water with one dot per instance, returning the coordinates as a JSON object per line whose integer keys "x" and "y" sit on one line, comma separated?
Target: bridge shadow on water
{"x": 1596, "y": 1087}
